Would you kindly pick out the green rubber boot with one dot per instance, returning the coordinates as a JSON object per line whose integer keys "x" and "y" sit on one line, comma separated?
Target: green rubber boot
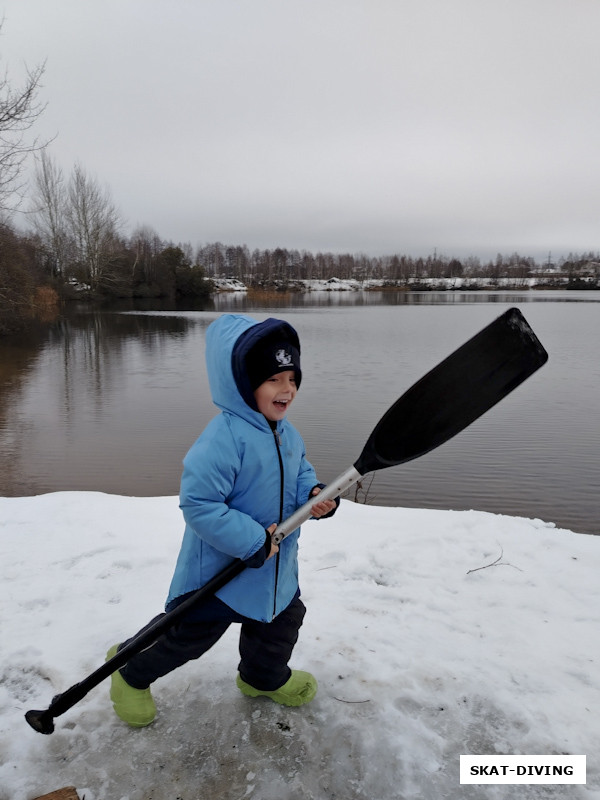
{"x": 298, "y": 690}
{"x": 134, "y": 706}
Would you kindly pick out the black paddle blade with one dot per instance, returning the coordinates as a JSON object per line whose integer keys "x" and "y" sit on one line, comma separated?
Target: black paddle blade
{"x": 455, "y": 393}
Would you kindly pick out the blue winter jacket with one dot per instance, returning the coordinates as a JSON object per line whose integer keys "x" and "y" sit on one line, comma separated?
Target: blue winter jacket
{"x": 239, "y": 477}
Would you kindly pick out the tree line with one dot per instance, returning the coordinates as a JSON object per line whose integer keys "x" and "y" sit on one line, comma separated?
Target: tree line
{"x": 74, "y": 247}
{"x": 281, "y": 267}
{"x": 76, "y": 235}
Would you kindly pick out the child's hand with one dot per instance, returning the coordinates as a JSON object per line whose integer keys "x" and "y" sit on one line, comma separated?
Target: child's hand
{"x": 322, "y": 508}
{"x": 274, "y": 547}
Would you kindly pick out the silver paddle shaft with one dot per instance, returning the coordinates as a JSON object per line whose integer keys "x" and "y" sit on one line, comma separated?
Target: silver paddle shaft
{"x": 338, "y": 486}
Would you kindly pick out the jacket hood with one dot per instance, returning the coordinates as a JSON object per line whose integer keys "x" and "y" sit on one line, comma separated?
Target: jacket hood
{"x": 228, "y": 340}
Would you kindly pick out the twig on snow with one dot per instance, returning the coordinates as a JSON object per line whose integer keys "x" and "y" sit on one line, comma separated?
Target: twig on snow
{"x": 497, "y": 563}
{"x": 351, "y": 702}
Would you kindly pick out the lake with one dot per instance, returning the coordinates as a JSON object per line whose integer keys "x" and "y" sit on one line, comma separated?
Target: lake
{"x": 111, "y": 400}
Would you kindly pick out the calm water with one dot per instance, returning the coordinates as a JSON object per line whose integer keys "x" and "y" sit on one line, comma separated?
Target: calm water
{"x": 111, "y": 401}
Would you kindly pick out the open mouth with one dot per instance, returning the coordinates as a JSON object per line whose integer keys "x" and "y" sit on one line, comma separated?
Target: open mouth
{"x": 281, "y": 404}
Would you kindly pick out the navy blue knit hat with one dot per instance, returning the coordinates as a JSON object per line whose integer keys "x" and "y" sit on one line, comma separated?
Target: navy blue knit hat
{"x": 270, "y": 356}
{"x": 261, "y": 351}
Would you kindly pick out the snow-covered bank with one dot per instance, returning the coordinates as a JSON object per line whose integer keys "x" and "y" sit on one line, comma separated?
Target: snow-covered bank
{"x": 422, "y": 647}
{"x": 416, "y": 284}
{"x": 229, "y": 285}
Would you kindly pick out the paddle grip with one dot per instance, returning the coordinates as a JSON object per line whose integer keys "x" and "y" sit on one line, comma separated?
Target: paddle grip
{"x": 337, "y": 487}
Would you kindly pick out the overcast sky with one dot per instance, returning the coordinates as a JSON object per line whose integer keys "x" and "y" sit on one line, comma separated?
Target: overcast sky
{"x": 470, "y": 127}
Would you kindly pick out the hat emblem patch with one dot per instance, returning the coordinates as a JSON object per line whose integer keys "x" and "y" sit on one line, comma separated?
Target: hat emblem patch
{"x": 283, "y": 358}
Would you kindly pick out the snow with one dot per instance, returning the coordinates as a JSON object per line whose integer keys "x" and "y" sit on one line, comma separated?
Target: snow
{"x": 442, "y": 284}
{"x": 229, "y": 285}
{"x": 432, "y": 634}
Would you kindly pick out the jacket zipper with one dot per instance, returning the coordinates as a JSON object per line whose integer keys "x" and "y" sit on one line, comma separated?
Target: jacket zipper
{"x": 277, "y": 437}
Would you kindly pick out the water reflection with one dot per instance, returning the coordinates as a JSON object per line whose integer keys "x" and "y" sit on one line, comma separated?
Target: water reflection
{"x": 241, "y": 301}
{"x": 57, "y": 386}
{"x": 18, "y": 359}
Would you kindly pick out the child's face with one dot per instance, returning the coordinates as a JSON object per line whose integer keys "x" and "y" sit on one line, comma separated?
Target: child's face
{"x": 276, "y": 394}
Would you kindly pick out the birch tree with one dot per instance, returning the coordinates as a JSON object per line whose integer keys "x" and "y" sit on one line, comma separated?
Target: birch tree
{"x": 92, "y": 221}
{"x": 49, "y": 212}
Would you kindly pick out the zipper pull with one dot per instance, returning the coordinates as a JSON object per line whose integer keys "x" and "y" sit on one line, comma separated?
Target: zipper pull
{"x": 277, "y": 436}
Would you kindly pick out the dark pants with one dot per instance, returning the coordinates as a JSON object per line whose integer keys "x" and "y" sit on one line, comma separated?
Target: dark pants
{"x": 265, "y": 647}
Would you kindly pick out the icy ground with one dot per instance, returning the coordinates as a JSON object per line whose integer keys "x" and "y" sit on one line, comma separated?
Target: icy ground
{"x": 432, "y": 633}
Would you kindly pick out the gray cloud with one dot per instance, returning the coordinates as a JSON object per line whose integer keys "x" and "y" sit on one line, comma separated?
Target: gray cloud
{"x": 379, "y": 126}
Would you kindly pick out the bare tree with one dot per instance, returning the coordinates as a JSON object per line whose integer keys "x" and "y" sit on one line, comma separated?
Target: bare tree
{"x": 146, "y": 245}
{"x": 92, "y": 222}
{"x": 49, "y": 212}
{"x": 19, "y": 110}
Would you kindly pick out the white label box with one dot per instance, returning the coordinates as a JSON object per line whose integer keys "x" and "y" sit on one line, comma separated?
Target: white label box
{"x": 513, "y": 769}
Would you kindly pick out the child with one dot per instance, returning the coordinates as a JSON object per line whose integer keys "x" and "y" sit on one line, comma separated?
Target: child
{"x": 245, "y": 474}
